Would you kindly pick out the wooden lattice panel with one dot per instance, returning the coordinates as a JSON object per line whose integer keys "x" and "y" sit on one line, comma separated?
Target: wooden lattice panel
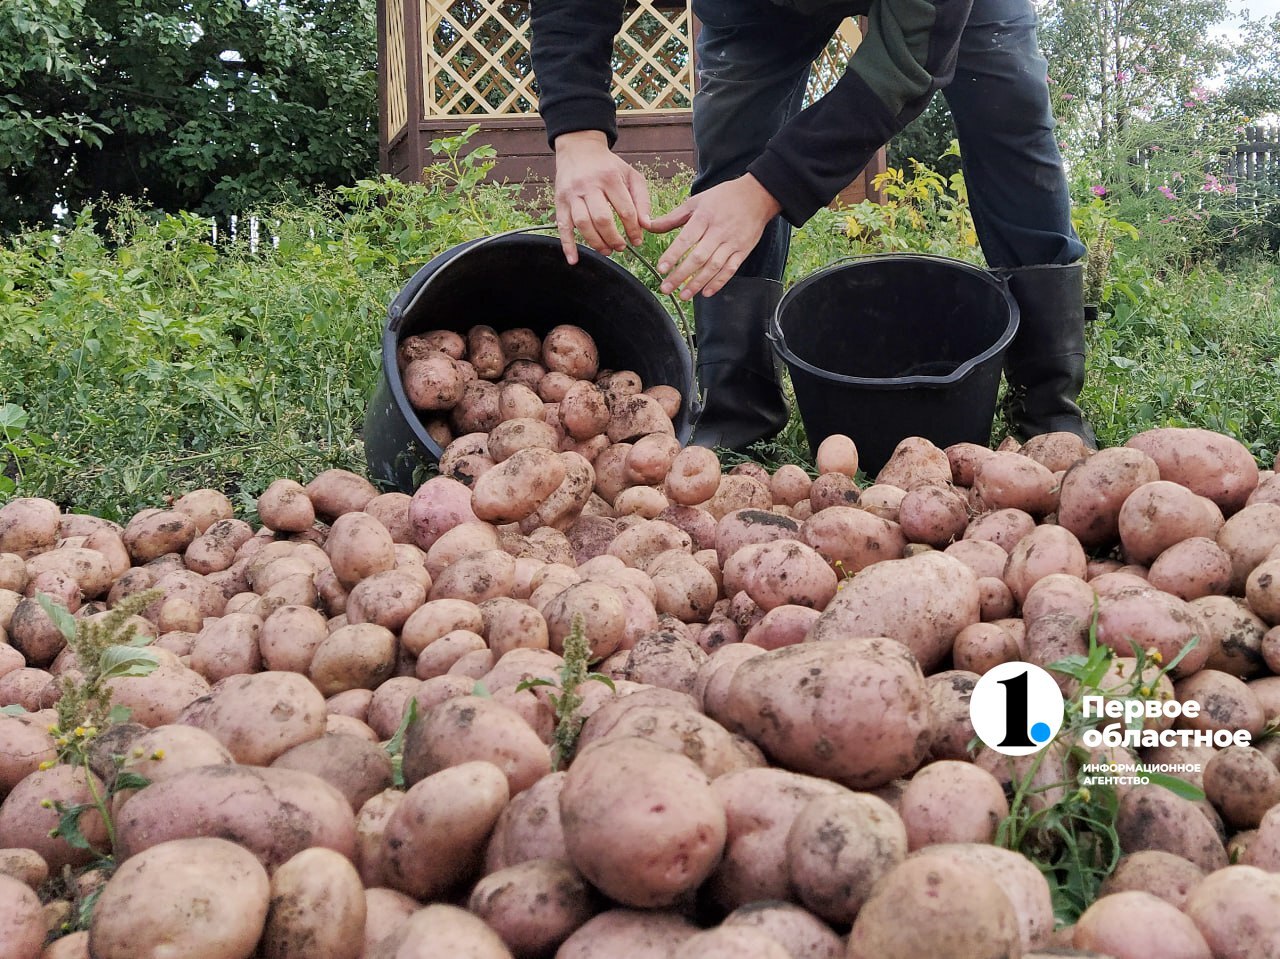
{"x": 830, "y": 65}
{"x": 397, "y": 80}
{"x": 476, "y": 58}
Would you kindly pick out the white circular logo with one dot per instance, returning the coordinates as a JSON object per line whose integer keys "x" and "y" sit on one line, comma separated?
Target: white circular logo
{"x": 1016, "y": 709}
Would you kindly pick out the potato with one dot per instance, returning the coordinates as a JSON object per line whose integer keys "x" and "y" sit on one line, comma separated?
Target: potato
{"x": 643, "y": 501}
{"x": 1248, "y": 537}
{"x": 934, "y": 515}
{"x": 1207, "y": 463}
{"x": 952, "y": 801}
{"x": 386, "y": 599}
{"x": 289, "y": 637}
{"x": 516, "y": 487}
{"x": 520, "y": 344}
{"x": 734, "y": 942}
{"x": 1042, "y": 552}
{"x": 155, "y": 533}
{"x": 484, "y": 352}
{"x": 477, "y": 411}
{"x": 553, "y": 387}
{"x": 837, "y": 489}
{"x": 1262, "y": 589}
{"x": 915, "y": 462}
{"x": 1153, "y": 620}
{"x": 738, "y": 492}
{"x": 852, "y": 538}
{"x": 633, "y": 417}
{"x": 1014, "y": 481}
{"x": 1234, "y": 636}
{"x": 533, "y": 906}
{"x": 24, "y": 865}
{"x": 433, "y": 382}
{"x": 838, "y": 847}
{"x": 385, "y": 912}
{"x": 438, "y": 930}
{"x": 1152, "y": 817}
{"x": 879, "y": 500}
{"x": 28, "y": 526}
{"x": 635, "y": 934}
{"x": 785, "y": 572}
{"x": 1056, "y": 451}
{"x": 786, "y": 701}
{"x": 22, "y": 919}
{"x": 259, "y": 717}
{"x": 88, "y": 568}
{"x": 1158, "y": 515}
{"x": 206, "y": 898}
{"x": 434, "y": 840}
{"x": 471, "y": 728}
{"x": 837, "y": 454}
{"x": 25, "y": 687}
{"x": 1237, "y": 910}
{"x": 274, "y": 813}
{"x": 640, "y": 823}
{"x": 583, "y": 412}
{"x": 355, "y": 656}
{"x": 921, "y": 602}
{"x": 798, "y": 931}
{"x": 784, "y": 625}
{"x": 1135, "y": 925}
{"x": 356, "y": 767}
{"x": 1226, "y": 703}
{"x": 955, "y": 912}
{"x": 317, "y": 907}
{"x": 1162, "y": 874}
{"x": 529, "y": 827}
{"x": 1191, "y": 569}
{"x": 570, "y": 350}
{"x": 359, "y": 546}
{"x": 26, "y": 823}
{"x": 336, "y": 491}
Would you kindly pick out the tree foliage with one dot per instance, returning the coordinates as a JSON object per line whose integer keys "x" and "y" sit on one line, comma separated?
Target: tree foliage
{"x": 209, "y": 106}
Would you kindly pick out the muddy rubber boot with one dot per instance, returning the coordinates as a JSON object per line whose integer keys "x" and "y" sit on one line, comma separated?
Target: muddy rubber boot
{"x": 1044, "y": 367}
{"x": 737, "y": 369}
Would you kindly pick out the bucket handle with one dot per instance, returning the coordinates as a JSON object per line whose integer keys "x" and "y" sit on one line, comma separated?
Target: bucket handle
{"x": 779, "y": 341}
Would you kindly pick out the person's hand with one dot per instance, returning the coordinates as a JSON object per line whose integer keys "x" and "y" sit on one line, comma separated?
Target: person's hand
{"x": 721, "y": 226}
{"x": 592, "y": 184}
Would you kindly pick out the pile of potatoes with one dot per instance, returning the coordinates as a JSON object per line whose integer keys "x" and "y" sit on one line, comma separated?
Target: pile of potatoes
{"x": 781, "y": 767}
{"x": 513, "y": 390}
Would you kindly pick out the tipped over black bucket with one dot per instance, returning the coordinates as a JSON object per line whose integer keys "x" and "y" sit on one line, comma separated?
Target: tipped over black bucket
{"x": 896, "y": 345}
{"x": 507, "y": 281}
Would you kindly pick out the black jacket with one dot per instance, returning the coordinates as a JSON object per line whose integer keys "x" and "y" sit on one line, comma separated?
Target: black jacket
{"x": 907, "y": 54}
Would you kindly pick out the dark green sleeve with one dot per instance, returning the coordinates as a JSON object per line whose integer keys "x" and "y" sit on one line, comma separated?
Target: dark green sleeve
{"x": 572, "y": 51}
{"x": 907, "y": 54}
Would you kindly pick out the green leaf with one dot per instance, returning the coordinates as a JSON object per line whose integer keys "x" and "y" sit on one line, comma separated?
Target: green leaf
{"x": 602, "y": 678}
{"x": 13, "y": 710}
{"x": 68, "y": 827}
{"x": 481, "y": 690}
{"x": 532, "y": 684}
{"x": 119, "y": 714}
{"x": 118, "y": 662}
{"x": 395, "y": 745}
{"x": 130, "y": 780}
{"x": 63, "y": 619}
{"x": 1179, "y": 787}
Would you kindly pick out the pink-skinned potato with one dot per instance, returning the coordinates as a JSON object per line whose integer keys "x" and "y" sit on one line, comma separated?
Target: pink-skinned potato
{"x": 730, "y": 942}
{"x": 922, "y": 602}
{"x": 26, "y": 823}
{"x": 440, "y": 504}
{"x": 201, "y": 898}
{"x": 1153, "y": 620}
{"x": 517, "y": 486}
{"x": 1094, "y": 490}
{"x": 852, "y": 710}
{"x": 359, "y": 546}
{"x": 257, "y": 718}
{"x": 533, "y": 906}
{"x": 1042, "y": 552}
{"x": 1237, "y": 910}
{"x": 442, "y": 930}
{"x": 1135, "y": 925}
{"x": 22, "y": 925}
{"x": 852, "y": 538}
{"x": 529, "y": 827}
{"x": 1211, "y": 464}
{"x": 274, "y": 813}
{"x": 634, "y": 933}
{"x": 317, "y": 908}
{"x": 469, "y": 728}
{"x": 641, "y": 823}
{"x": 802, "y": 934}
{"x": 1162, "y": 514}
{"x": 435, "y": 838}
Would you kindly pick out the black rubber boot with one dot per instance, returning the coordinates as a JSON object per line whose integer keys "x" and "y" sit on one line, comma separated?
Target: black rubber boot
{"x": 1044, "y": 367}
{"x": 737, "y": 370}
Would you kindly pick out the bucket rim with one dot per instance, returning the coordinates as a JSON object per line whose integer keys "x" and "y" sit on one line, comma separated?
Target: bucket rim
{"x": 962, "y": 371}
{"x": 402, "y": 306}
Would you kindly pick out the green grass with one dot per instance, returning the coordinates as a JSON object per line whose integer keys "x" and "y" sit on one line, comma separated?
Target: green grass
{"x": 140, "y": 361}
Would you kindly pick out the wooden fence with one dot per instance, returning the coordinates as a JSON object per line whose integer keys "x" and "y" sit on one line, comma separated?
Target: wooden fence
{"x": 1257, "y": 157}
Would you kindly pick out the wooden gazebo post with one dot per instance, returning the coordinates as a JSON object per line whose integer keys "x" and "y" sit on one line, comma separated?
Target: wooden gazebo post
{"x": 444, "y": 65}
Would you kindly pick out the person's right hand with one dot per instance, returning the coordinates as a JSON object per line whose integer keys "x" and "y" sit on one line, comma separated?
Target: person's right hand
{"x": 592, "y": 184}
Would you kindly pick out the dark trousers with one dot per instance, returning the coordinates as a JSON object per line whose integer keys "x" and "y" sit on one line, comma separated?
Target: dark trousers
{"x": 753, "y": 61}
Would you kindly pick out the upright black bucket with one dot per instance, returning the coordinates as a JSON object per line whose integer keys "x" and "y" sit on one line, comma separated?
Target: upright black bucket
{"x": 511, "y": 280}
{"x": 896, "y": 345}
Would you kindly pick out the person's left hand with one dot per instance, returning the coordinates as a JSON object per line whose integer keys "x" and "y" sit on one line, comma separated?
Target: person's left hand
{"x": 721, "y": 226}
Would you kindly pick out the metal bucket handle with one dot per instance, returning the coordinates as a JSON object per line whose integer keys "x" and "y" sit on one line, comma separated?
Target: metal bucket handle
{"x": 962, "y": 370}
{"x": 697, "y": 401}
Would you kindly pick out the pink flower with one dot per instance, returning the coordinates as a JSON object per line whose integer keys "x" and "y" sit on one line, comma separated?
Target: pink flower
{"x": 1122, "y": 76}
{"x": 1211, "y": 184}
{"x": 1200, "y": 94}
{"x": 1167, "y": 193}
{"x": 1098, "y": 190}
{"x": 1188, "y": 103}
{"x": 1068, "y": 96}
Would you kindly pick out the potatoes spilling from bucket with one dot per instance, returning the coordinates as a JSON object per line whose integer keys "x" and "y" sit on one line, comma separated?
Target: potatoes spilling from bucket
{"x": 363, "y": 728}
